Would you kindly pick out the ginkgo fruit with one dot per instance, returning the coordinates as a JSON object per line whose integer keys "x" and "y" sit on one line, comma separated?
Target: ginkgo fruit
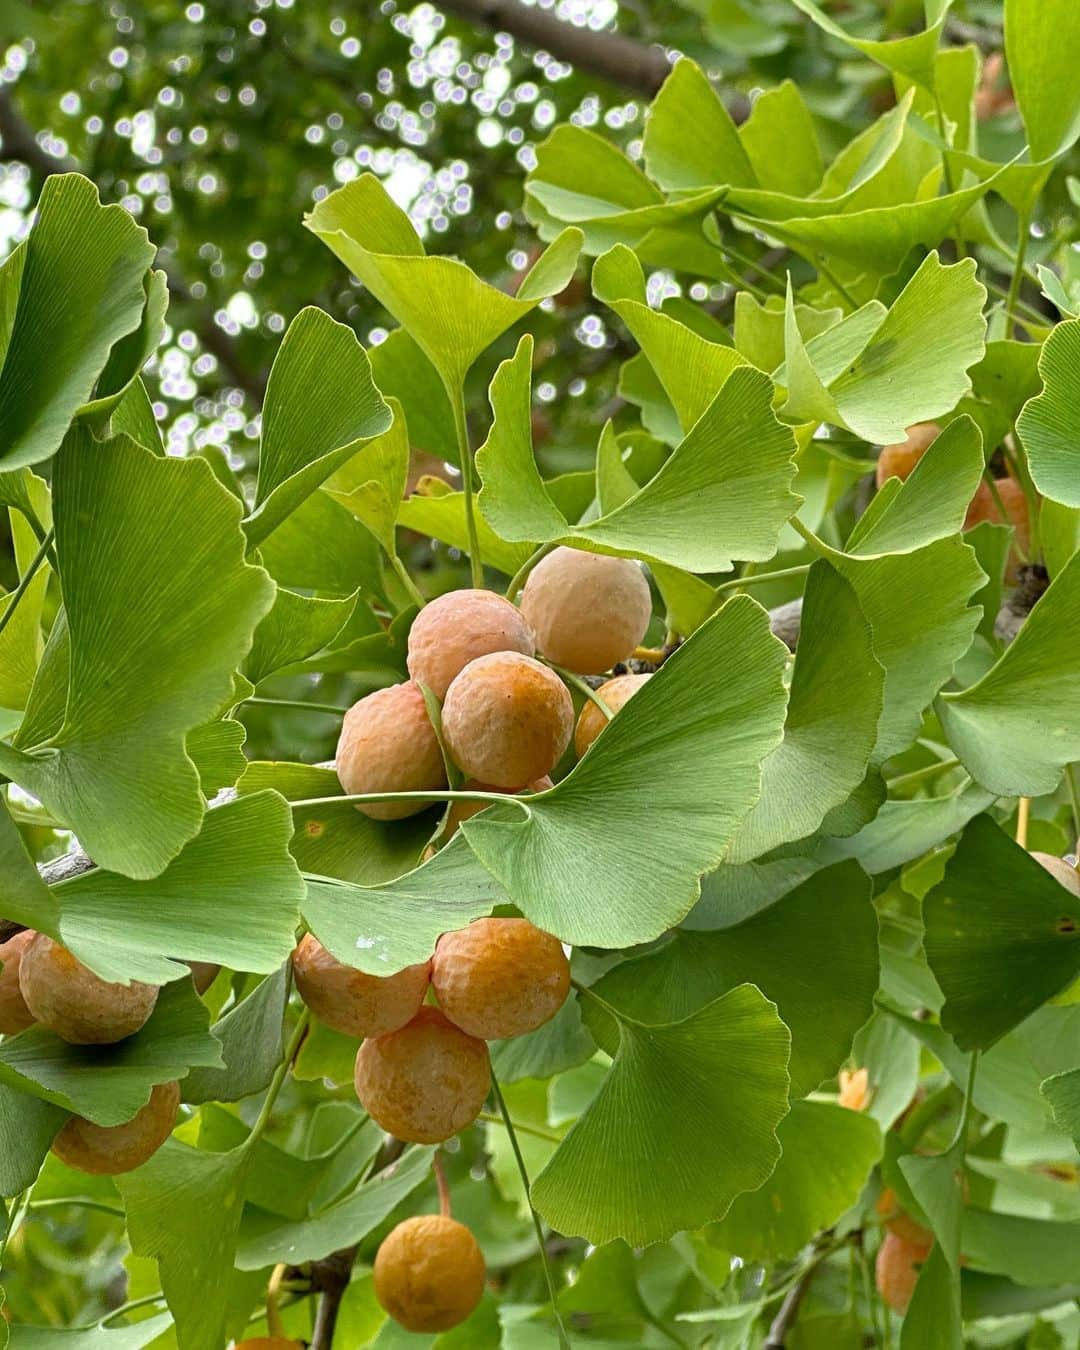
{"x": 387, "y": 744}
{"x": 984, "y": 506}
{"x": 588, "y": 611}
{"x": 463, "y": 809}
{"x": 203, "y": 974}
{"x": 15, "y": 1016}
{"x": 507, "y": 719}
{"x": 498, "y": 978}
{"x": 68, "y": 998}
{"x": 350, "y": 1000}
{"x": 897, "y": 1268}
{"x": 1059, "y": 869}
{"x": 591, "y": 721}
{"x": 429, "y": 1273}
{"x": 459, "y": 626}
{"x": 107, "y": 1150}
{"x": 854, "y": 1089}
{"x": 899, "y": 460}
{"x": 898, "y": 1221}
{"x": 426, "y": 1081}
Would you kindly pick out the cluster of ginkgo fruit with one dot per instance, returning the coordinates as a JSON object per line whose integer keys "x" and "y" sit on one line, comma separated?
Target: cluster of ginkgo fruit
{"x": 423, "y": 1071}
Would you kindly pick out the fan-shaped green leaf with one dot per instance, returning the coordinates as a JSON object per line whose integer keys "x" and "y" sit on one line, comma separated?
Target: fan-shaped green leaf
{"x": 85, "y": 260}
{"x": 912, "y": 56}
{"x": 95, "y": 1337}
{"x": 28, "y": 1125}
{"x": 713, "y": 156}
{"x": 251, "y": 1045}
{"x": 296, "y": 627}
{"x": 1002, "y": 936}
{"x": 451, "y": 313}
{"x": 129, "y": 355}
{"x": 827, "y": 1154}
{"x": 109, "y": 1083}
{"x": 231, "y": 896}
{"x": 880, "y": 378}
{"x": 723, "y": 493}
{"x": 1049, "y": 425}
{"x": 161, "y": 607}
{"x": 684, "y": 1122}
{"x": 1042, "y": 45}
{"x": 303, "y": 439}
{"x": 723, "y": 705}
{"x": 194, "y": 1257}
{"x": 831, "y": 726}
{"x": 1020, "y": 724}
{"x": 371, "y": 485}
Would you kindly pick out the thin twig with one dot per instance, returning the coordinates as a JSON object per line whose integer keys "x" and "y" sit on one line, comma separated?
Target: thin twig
{"x": 25, "y": 580}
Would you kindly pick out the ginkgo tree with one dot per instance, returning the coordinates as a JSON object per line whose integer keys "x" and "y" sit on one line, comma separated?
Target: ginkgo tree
{"x": 747, "y": 1016}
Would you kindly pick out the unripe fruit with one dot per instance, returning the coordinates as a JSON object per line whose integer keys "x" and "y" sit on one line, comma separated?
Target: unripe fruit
{"x": 896, "y": 1270}
{"x": 500, "y": 977}
{"x": 71, "y": 1000}
{"x": 899, "y": 460}
{"x": 507, "y": 719}
{"x": 592, "y": 721}
{"x": 587, "y": 610}
{"x": 106, "y": 1150}
{"x": 1058, "y": 868}
{"x": 465, "y": 810}
{"x": 458, "y": 627}
{"x": 15, "y": 1016}
{"x": 351, "y": 1001}
{"x": 203, "y": 974}
{"x": 429, "y": 1273}
{"x": 387, "y": 744}
{"x": 425, "y": 1082}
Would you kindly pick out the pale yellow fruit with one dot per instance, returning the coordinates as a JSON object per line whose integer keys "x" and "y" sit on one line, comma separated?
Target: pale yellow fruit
{"x": 588, "y": 611}
{"x": 498, "y": 978}
{"x": 351, "y": 1001}
{"x": 106, "y": 1150}
{"x": 458, "y": 627}
{"x": 68, "y": 998}
{"x": 429, "y": 1273}
{"x": 425, "y": 1082}
{"x": 387, "y": 744}
{"x": 507, "y": 719}
{"x": 591, "y": 721}
{"x": 897, "y": 1268}
{"x": 15, "y": 1016}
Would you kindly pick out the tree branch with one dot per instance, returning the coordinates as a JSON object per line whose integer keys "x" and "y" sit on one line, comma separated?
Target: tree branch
{"x": 20, "y": 143}
{"x": 622, "y": 60}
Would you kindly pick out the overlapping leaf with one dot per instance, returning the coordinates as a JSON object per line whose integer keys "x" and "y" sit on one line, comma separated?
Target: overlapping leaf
{"x": 1019, "y": 725}
{"x": 1049, "y": 425}
{"x": 446, "y": 308}
{"x": 82, "y": 259}
{"x": 685, "y": 1121}
{"x": 724, "y": 492}
{"x": 160, "y": 608}
{"x": 697, "y": 734}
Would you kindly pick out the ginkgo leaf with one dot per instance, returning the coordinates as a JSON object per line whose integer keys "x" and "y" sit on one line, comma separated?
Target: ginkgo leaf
{"x": 296, "y": 627}
{"x": 837, "y": 689}
{"x": 722, "y": 494}
{"x": 1049, "y": 425}
{"x": 690, "y": 367}
{"x": 131, "y": 353}
{"x": 109, "y": 1083}
{"x": 684, "y": 1122}
{"x": 151, "y": 554}
{"x": 879, "y": 378}
{"x": 911, "y": 56}
{"x": 697, "y": 734}
{"x": 441, "y": 302}
{"x": 828, "y": 1153}
{"x": 1002, "y": 936}
{"x": 303, "y": 439}
{"x": 371, "y": 485}
{"x": 1041, "y": 40}
{"x": 1017, "y": 727}
{"x": 713, "y": 156}
{"x": 95, "y": 1337}
{"x": 80, "y": 291}
{"x": 231, "y": 896}
{"x": 194, "y": 1257}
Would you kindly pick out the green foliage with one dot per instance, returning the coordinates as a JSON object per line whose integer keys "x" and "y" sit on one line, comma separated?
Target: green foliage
{"x": 778, "y": 873}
